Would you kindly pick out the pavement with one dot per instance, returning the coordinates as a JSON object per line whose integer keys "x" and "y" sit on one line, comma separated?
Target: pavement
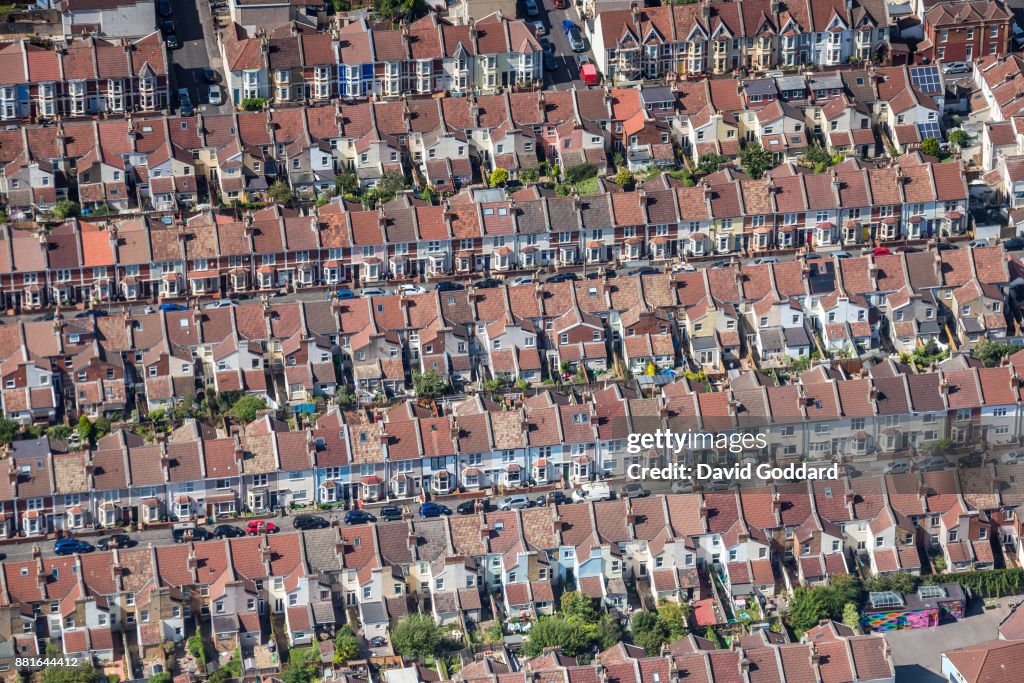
{"x": 198, "y": 50}
{"x": 916, "y": 653}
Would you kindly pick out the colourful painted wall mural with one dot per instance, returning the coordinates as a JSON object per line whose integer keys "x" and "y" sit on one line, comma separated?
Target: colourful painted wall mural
{"x": 899, "y": 620}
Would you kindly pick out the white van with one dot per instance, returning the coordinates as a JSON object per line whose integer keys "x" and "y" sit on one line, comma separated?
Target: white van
{"x": 594, "y": 491}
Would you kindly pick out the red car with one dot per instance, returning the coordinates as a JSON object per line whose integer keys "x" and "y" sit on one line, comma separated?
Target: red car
{"x": 259, "y": 526}
{"x": 561, "y": 4}
{"x": 881, "y": 251}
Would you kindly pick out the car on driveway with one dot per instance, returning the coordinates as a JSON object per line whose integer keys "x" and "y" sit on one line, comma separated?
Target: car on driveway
{"x": 118, "y": 541}
{"x": 576, "y": 41}
{"x": 934, "y": 463}
{"x": 378, "y": 642}
{"x": 390, "y": 513}
{"x": 260, "y": 526}
{"x": 514, "y": 503}
{"x": 228, "y": 531}
{"x": 434, "y": 510}
{"x": 358, "y": 517}
{"x": 304, "y": 522}
{"x": 71, "y": 546}
{"x": 900, "y": 466}
{"x": 634, "y": 490}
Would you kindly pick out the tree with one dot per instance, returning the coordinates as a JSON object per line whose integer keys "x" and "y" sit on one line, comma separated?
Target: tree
{"x": 162, "y": 677}
{"x": 346, "y": 645}
{"x": 65, "y": 208}
{"x": 959, "y": 137}
{"x": 8, "y": 430}
{"x": 579, "y": 604}
{"x": 346, "y": 182}
{"x": 712, "y": 635}
{"x": 429, "y": 384}
{"x": 930, "y": 146}
{"x": 101, "y": 427}
{"x": 650, "y": 632}
{"x": 580, "y": 172}
{"x": 817, "y": 157}
{"x": 416, "y": 635}
{"x": 247, "y": 407}
{"x": 851, "y": 617}
{"x": 568, "y": 634}
{"x": 755, "y": 160}
{"x": 807, "y": 607}
{"x": 625, "y": 179}
{"x": 709, "y": 163}
{"x": 390, "y": 184}
{"x": 297, "y": 670}
{"x": 528, "y": 176}
{"x": 673, "y": 615}
{"x": 499, "y": 177}
{"x": 400, "y": 9}
{"x": 990, "y": 353}
{"x": 67, "y": 674}
{"x": 84, "y": 429}
{"x": 280, "y": 193}
{"x": 197, "y": 648}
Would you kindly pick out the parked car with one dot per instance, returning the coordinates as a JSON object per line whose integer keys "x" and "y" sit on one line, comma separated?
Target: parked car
{"x": 564, "y": 277}
{"x": 719, "y": 265}
{"x": 764, "y": 260}
{"x": 955, "y": 68}
{"x": 900, "y": 466}
{"x": 1013, "y": 244}
{"x": 304, "y": 522}
{"x": 378, "y": 642}
{"x": 549, "y": 61}
{"x": 934, "y": 463}
{"x": 521, "y": 280}
{"x": 466, "y": 507}
{"x": 71, "y": 546}
{"x": 538, "y": 27}
{"x": 184, "y": 103}
{"x": 220, "y": 303}
{"x": 412, "y": 289}
{"x": 881, "y": 251}
{"x": 434, "y": 510}
{"x": 576, "y": 41}
{"x": 260, "y": 526}
{"x": 977, "y": 244}
{"x": 209, "y": 75}
{"x": 514, "y": 503}
{"x": 567, "y": 25}
{"x": 841, "y": 254}
{"x": 372, "y": 291}
{"x": 185, "y": 532}
{"x": 682, "y": 486}
{"x": 716, "y": 485}
{"x": 164, "y": 9}
{"x": 1012, "y": 458}
{"x": 450, "y": 286}
{"x": 559, "y": 498}
{"x": 118, "y": 541}
{"x": 811, "y": 256}
{"x": 635, "y": 490}
{"x": 532, "y": 8}
{"x": 343, "y": 294}
{"x": 228, "y": 531}
{"x": 358, "y": 517}
{"x": 594, "y": 491}
{"x": 215, "y": 98}
{"x": 561, "y": 4}
{"x": 172, "y": 307}
{"x": 390, "y": 513}
{"x": 487, "y": 283}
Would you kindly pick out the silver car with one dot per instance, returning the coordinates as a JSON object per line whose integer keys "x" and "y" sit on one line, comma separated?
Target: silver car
{"x": 901, "y": 466}
{"x": 514, "y": 503}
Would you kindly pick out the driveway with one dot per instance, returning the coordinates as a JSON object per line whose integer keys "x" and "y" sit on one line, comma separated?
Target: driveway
{"x": 917, "y": 652}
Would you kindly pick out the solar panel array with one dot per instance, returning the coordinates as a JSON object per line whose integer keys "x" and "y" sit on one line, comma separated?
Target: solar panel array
{"x": 929, "y": 130}
{"x": 926, "y": 78}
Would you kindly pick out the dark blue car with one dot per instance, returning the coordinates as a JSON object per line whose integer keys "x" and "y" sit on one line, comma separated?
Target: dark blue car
{"x": 70, "y": 546}
{"x": 358, "y": 517}
{"x": 434, "y": 510}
